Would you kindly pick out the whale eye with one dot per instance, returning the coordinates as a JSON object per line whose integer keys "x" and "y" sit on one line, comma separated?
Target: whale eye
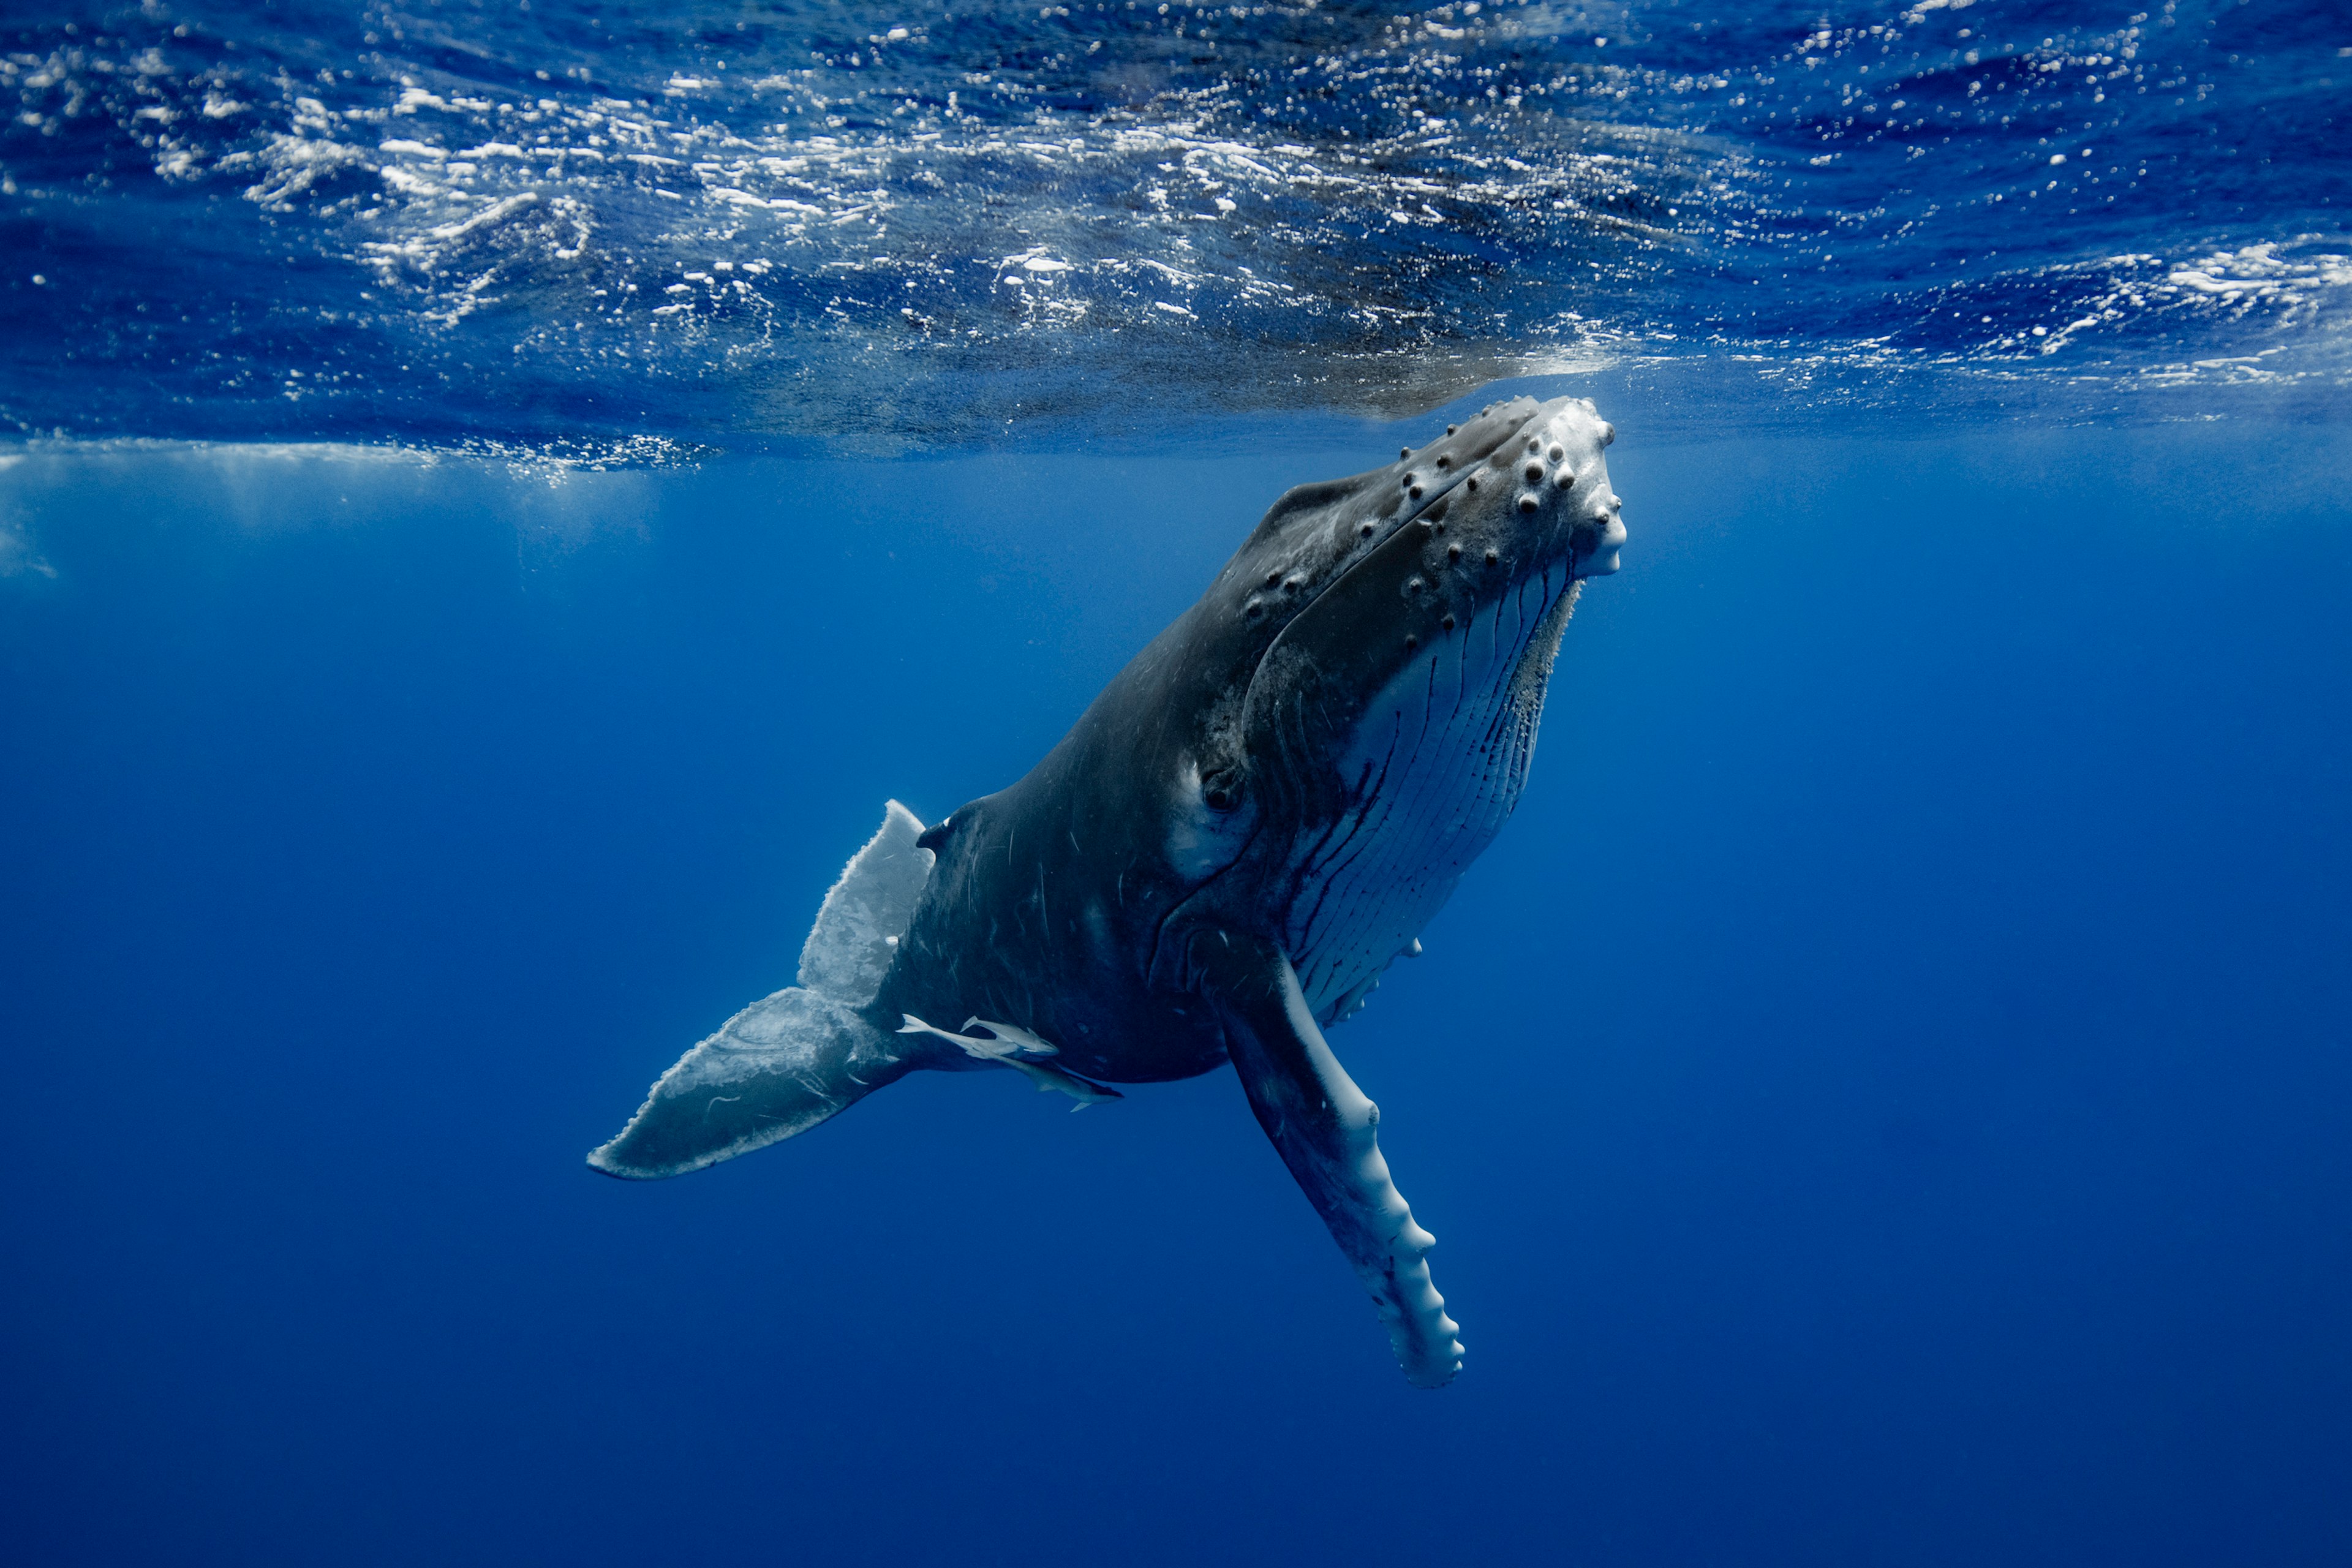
{"x": 1368, "y": 531}
{"x": 1221, "y": 790}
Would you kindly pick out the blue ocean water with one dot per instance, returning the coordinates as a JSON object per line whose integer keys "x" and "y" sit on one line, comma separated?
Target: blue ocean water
{"x": 498, "y": 497}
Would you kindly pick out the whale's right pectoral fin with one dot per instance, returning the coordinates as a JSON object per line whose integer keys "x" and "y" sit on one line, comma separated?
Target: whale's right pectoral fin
{"x": 779, "y": 1067}
{"x": 787, "y": 1062}
{"x": 1326, "y": 1131}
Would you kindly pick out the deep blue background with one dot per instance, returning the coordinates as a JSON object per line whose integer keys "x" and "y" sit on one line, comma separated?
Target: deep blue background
{"x": 1883, "y": 1100}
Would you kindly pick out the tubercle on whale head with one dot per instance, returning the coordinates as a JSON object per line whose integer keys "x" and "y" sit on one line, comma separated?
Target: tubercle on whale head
{"x": 1360, "y": 575}
{"x": 1530, "y": 498}
{"x": 1315, "y": 532}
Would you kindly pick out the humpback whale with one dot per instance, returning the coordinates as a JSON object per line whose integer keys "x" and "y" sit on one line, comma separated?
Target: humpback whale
{"x": 1216, "y": 864}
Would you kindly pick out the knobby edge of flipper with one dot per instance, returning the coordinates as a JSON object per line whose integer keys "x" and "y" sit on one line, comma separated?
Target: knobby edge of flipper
{"x": 1327, "y": 1132}
{"x": 802, "y": 1055}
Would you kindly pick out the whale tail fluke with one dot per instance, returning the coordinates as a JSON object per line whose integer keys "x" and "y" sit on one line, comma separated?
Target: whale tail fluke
{"x": 792, "y": 1060}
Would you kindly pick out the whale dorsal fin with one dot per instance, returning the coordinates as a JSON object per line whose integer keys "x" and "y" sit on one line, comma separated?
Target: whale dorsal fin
{"x": 870, "y": 909}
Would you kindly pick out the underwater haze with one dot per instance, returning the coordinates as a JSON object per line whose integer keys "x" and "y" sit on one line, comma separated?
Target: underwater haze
{"x": 495, "y": 497}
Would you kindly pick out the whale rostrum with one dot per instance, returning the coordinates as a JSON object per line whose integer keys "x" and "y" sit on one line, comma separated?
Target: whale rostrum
{"x": 1218, "y": 861}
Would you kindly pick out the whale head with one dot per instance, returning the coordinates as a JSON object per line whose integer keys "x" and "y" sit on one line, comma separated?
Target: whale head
{"x": 1399, "y": 630}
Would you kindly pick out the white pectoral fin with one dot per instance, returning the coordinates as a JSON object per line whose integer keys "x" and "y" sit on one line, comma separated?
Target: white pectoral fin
{"x": 1007, "y": 1044}
{"x": 791, "y": 1059}
{"x": 779, "y": 1067}
{"x": 1326, "y": 1132}
{"x": 857, "y": 932}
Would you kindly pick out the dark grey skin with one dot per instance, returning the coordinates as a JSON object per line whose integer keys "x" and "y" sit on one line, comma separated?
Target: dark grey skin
{"x": 1261, "y": 811}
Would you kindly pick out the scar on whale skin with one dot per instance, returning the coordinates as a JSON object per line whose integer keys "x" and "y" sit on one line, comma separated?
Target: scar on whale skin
{"x": 1219, "y": 860}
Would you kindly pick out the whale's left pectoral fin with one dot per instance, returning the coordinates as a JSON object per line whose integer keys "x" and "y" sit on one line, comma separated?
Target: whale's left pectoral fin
{"x": 1326, "y": 1131}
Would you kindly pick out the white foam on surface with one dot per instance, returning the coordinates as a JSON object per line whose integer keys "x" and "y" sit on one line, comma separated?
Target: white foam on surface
{"x": 955, "y": 232}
